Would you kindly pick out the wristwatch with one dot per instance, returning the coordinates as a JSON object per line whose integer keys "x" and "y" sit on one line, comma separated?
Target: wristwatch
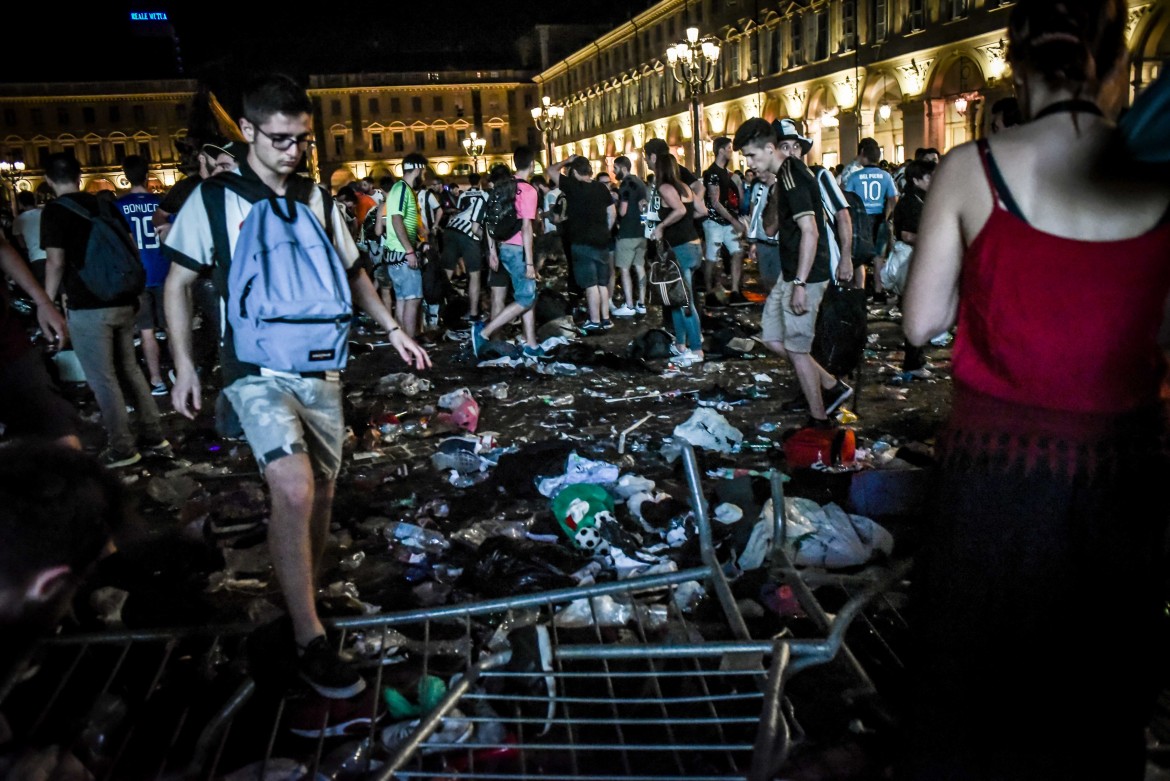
{"x": 798, "y": 282}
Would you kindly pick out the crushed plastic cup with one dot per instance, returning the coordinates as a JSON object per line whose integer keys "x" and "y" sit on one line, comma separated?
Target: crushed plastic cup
{"x": 498, "y": 390}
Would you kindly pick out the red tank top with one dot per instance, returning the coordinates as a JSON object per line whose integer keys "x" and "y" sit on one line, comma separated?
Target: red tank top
{"x": 1060, "y": 323}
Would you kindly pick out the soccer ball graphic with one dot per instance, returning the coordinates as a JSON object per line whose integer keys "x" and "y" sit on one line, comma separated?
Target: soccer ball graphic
{"x": 590, "y": 539}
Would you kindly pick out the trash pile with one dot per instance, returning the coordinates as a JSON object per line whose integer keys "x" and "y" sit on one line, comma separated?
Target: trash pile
{"x": 495, "y": 480}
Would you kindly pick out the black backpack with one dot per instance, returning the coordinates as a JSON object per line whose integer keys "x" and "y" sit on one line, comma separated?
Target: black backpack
{"x": 863, "y": 247}
{"x": 112, "y": 267}
{"x": 500, "y": 219}
{"x": 840, "y": 330}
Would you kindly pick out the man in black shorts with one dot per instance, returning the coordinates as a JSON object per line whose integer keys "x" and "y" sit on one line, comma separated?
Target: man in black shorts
{"x": 463, "y": 240}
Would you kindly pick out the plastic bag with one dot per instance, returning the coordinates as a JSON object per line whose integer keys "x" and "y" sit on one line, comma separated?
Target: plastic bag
{"x": 897, "y": 267}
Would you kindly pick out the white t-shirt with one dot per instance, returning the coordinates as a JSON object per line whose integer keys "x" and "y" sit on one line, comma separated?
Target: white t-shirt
{"x": 550, "y": 199}
{"x": 190, "y": 244}
{"x": 27, "y": 225}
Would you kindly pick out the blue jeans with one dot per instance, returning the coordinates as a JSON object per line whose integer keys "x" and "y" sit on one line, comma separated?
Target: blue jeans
{"x": 686, "y": 327}
{"x": 104, "y": 342}
{"x": 523, "y": 288}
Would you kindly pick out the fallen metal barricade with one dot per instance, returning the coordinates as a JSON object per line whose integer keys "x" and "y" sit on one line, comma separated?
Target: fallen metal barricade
{"x": 623, "y": 680}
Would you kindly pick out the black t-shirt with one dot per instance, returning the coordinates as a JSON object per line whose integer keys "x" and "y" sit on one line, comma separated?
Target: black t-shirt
{"x": 632, "y": 193}
{"x": 62, "y": 229}
{"x": 683, "y": 231}
{"x": 728, "y": 193}
{"x": 908, "y": 212}
{"x": 587, "y": 204}
{"x": 686, "y": 177}
{"x": 796, "y": 194}
{"x": 178, "y": 195}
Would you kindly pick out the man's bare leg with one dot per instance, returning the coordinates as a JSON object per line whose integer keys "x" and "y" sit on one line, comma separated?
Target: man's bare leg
{"x": 291, "y": 485}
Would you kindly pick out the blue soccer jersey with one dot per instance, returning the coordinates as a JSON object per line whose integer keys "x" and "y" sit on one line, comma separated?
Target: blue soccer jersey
{"x": 138, "y": 208}
{"x": 874, "y": 186}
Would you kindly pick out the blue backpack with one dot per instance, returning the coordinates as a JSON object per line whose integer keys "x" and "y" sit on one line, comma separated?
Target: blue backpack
{"x": 288, "y": 297}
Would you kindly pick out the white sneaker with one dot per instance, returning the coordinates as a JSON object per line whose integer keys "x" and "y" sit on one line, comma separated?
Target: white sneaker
{"x": 942, "y": 340}
{"x": 622, "y": 311}
{"x": 640, "y": 308}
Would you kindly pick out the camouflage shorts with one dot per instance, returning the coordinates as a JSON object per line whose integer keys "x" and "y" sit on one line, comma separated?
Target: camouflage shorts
{"x": 283, "y": 416}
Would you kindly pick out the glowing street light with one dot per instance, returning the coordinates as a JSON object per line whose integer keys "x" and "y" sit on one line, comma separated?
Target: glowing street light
{"x": 474, "y": 147}
{"x": 692, "y": 63}
{"x": 548, "y": 119}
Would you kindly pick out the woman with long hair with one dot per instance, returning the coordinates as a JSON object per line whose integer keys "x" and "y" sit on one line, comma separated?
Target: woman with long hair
{"x": 1040, "y": 599}
{"x": 676, "y": 212}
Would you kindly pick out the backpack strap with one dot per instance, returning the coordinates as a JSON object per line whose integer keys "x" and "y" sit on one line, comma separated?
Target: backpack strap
{"x": 76, "y": 208}
{"x": 1000, "y": 193}
{"x": 215, "y": 203}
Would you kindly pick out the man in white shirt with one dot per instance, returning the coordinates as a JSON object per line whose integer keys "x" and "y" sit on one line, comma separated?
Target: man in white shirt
{"x": 26, "y": 229}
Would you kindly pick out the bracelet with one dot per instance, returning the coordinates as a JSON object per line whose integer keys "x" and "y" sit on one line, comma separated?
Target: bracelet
{"x": 392, "y": 330}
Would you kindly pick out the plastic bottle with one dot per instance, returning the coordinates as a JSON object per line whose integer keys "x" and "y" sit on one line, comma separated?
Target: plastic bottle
{"x": 416, "y": 536}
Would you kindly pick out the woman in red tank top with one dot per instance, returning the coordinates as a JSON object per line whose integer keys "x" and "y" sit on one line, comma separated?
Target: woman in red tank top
{"x": 1038, "y": 596}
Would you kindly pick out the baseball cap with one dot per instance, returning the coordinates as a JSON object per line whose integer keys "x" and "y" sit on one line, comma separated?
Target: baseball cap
{"x": 787, "y": 130}
{"x": 220, "y": 146}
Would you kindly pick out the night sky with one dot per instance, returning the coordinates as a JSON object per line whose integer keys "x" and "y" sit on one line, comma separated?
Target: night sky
{"x": 218, "y": 40}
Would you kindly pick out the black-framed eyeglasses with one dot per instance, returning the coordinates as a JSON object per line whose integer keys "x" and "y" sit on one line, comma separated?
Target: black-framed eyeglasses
{"x": 282, "y": 141}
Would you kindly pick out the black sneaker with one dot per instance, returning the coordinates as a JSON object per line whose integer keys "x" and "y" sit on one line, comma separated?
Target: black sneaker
{"x": 795, "y": 405}
{"x": 591, "y": 327}
{"x": 737, "y": 299}
{"x": 606, "y": 325}
{"x": 835, "y": 396}
{"x": 324, "y": 670}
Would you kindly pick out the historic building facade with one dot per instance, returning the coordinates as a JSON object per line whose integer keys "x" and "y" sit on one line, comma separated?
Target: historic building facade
{"x": 100, "y": 123}
{"x": 366, "y": 123}
{"x": 910, "y": 73}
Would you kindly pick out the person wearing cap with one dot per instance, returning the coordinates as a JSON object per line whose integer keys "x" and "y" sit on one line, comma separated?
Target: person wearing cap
{"x": 398, "y": 221}
{"x": 795, "y": 214}
{"x": 215, "y": 157}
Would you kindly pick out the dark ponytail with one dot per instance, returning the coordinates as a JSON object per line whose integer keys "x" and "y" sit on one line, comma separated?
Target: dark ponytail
{"x": 1071, "y": 43}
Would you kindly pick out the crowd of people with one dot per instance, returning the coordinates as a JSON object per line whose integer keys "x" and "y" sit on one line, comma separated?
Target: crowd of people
{"x": 1044, "y": 461}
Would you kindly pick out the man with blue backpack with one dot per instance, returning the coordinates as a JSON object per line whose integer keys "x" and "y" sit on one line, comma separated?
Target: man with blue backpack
{"x": 283, "y": 262}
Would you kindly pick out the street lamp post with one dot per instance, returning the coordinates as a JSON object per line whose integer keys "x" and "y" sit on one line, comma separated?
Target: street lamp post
{"x": 548, "y": 118}
{"x": 474, "y": 146}
{"x": 692, "y": 62}
{"x": 12, "y": 173}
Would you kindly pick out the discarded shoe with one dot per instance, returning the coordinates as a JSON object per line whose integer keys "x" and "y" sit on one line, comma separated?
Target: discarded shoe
{"x": 315, "y": 717}
{"x": 322, "y": 668}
